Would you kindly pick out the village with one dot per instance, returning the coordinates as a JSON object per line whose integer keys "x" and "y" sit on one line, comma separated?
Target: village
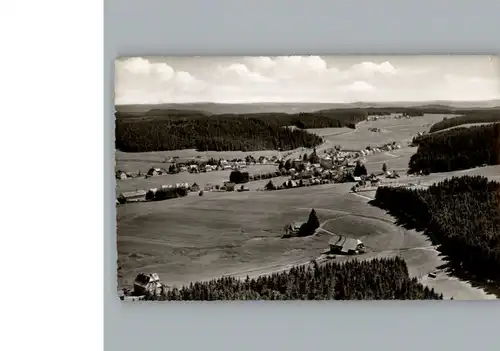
{"x": 334, "y": 165}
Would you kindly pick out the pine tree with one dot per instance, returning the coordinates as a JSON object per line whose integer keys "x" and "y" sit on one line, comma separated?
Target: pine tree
{"x": 313, "y": 221}
{"x": 384, "y": 168}
{"x": 270, "y": 186}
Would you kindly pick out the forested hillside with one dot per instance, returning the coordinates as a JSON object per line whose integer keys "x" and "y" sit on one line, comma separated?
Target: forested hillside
{"x": 378, "y": 279}
{"x": 456, "y": 149}
{"x": 172, "y": 130}
{"x": 472, "y": 117}
{"x": 462, "y": 214}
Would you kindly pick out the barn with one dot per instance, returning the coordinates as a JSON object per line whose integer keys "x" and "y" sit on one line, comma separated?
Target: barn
{"x": 154, "y": 172}
{"x": 292, "y": 229}
{"x": 132, "y": 196}
{"x": 230, "y": 186}
{"x": 349, "y": 246}
{"x": 147, "y": 284}
{"x": 195, "y": 187}
{"x": 121, "y": 175}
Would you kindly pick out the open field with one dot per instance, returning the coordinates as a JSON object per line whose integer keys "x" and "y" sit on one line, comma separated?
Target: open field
{"x": 143, "y": 161}
{"x": 198, "y": 238}
{"x": 395, "y": 160}
{"x": 202, "y": 179}
{"x": 391, "y": 129}
{"x": 399, "y": 130}
{"x": 490, "y": 172}
{"x": 465, "y": 126}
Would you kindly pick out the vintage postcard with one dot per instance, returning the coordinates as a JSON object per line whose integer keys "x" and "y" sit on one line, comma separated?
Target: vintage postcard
{"x": 308, "y": 178}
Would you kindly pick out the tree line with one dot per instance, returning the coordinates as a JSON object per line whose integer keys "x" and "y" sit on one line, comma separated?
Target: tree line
{"x": 377, "y": 279}
{"x": 461, "y": 214}
{"x": 161, "y": 130}
{"x": 476, "y": 117}
{"x": 210, "y": 134}
{"x": 456, "y": 149}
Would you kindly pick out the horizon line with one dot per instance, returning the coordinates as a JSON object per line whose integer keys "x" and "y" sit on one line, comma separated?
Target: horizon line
{"x": 310, "y": 102}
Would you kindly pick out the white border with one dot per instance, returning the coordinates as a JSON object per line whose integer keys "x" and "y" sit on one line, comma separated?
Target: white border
{"x": 52, "y": 142}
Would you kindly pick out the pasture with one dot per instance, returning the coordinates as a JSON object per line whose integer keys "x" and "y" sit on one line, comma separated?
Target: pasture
{"x": 202, "y": 179}
{"x": 143, "y": 161}
{"x": 465, "y": 126}
{"x": 199, "y": 238}
{"x": 391, "y": 129}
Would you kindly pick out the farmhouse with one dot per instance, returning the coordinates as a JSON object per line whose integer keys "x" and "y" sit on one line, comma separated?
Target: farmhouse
{"x": 350, "y": 246}
{"x": 132, "y": 196}
{"x": 243, "y": 188}
{"x": 193, "y": 169}
{"x": 229, "y": 186}
{"x": 293, "y": 228}
{"x": 195, "y": 187}
{"x": 150, "y": 195}
{"x": 154, "y": 172}
{"x": 147, "y": 284}
{"x": 121, "y": 175}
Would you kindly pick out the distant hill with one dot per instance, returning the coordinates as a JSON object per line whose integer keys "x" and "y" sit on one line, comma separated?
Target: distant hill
{"x": 214, "y": 108}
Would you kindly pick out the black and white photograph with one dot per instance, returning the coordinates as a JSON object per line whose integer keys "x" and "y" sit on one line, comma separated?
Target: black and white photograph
{"x": 308, "y": 177}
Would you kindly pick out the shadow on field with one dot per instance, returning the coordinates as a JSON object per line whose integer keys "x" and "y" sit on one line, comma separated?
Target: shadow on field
{"x": 455, "y": 270}
{"x": 452, "y": 268}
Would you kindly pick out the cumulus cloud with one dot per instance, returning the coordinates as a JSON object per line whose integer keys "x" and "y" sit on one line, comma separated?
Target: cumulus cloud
{"x": 295, "y": 79}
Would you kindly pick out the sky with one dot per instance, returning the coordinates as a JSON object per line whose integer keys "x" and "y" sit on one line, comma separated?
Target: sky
{"x": 321, "y": 79}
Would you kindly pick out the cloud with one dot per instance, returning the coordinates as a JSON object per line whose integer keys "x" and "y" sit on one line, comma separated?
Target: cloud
{"x": 360, "y": 86}
{"x": 140, "y": 81}
{"x": 292, "y": 79}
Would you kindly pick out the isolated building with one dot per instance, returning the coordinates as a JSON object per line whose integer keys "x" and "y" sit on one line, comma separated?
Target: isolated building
{"x": 154, "y": 172}
{"x": 195, "y": 187}
{"x": 132, "y": 196}
{"x": 293, "y": 228}
{"x": 147, "y": 284}
{"x": 230, "y": 186}
{"x": 243, "y": 188}
{"x": 349, "y": 246}
{"x": 150, "y": 195}
{"x": 121, "y": 175}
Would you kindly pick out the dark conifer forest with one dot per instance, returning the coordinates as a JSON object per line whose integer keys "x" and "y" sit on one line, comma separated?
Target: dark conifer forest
{"x": 226, "y": 132}
{"x": 456, "y": 149}
{"x": 473, "y": 117}
{"x": 378, "y": 279}
{"x": 461, "y": 214}
{"x": 161, "y": 130}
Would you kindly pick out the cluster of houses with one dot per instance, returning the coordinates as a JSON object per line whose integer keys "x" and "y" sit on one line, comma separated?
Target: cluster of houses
{"x": 143, "y": 195}
{"x": 364, "y": 181}
{"x": 199, "y": 166}
{"x": 389, "y": 116}
{"x": 373, "y": 150}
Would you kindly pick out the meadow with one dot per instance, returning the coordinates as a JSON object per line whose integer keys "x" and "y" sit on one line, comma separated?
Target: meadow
{"x": 238, "y": 234}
